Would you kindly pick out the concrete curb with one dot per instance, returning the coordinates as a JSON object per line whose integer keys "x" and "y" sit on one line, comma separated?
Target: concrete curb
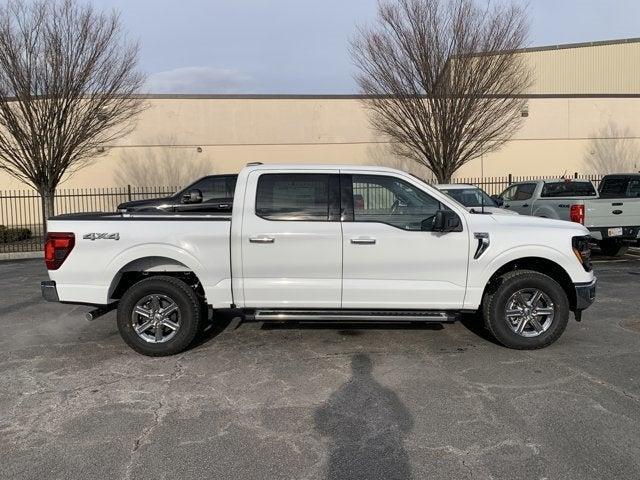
{"x": 20, "y": 255}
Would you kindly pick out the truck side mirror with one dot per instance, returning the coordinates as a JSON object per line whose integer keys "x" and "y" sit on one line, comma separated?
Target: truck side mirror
{"x": 193, "y": 196}
{"x": 446, "y": 221}
{"x": 498, "y": 199}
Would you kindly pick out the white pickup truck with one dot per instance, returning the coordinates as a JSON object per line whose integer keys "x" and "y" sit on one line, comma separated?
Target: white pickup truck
{"x": 612, "y": 217}
{"x": 322, "y": 243}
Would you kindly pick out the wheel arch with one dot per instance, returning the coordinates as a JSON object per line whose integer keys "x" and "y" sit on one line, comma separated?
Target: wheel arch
{"x": 144, "y": 267}
{"x": 537, "y": 264}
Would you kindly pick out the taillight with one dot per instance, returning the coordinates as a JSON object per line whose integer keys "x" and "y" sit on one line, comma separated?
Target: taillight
{"x": 576, "y": 214}
{"x": 57, "y": 248}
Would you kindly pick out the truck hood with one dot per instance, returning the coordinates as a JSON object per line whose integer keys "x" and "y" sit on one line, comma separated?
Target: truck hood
{"x": 526, "y": 221}
{"x": 492, "y": 210}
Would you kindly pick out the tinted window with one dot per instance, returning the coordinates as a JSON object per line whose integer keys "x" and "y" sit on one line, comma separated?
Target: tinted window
{"x": 620, "y": 188}
{"x": 470, "y": 197}
{"x": 523, "y": 191}
{"x": 384, "y": 199}
{"x": 293, "y": 197}
{"x": 568, "y": 189}
{"x": 213, "y": 188}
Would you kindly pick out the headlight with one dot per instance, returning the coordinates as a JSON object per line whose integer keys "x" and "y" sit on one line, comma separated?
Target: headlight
{"x": 582, "y": 251}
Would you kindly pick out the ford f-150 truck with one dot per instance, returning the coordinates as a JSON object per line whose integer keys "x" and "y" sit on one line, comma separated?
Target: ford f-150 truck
{"x": 306, "y": 243}
{"x": 613, "y": 219}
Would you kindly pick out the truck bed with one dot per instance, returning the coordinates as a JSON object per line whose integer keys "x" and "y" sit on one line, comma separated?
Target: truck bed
{"x": 107, "y": 245}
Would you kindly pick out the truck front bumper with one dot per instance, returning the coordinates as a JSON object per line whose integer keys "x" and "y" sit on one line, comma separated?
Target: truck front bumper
{"x": 49, "y": 291}
{"x": 585, "y": 294}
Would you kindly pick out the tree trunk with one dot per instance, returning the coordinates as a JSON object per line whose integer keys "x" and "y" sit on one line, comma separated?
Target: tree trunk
{"x": 48, "y": 206}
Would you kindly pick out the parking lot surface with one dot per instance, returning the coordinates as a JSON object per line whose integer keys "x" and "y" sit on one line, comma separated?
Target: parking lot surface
{"x": 340, "y": 402}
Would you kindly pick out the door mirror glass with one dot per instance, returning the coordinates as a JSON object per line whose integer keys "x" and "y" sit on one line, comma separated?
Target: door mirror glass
{"x": 192, "y": 196}
{"x": 444, "y": 221}
{"x": 498, "y": 200}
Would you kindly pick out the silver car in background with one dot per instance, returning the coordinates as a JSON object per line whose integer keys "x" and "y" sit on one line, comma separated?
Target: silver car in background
{"x": 473, "y": 198}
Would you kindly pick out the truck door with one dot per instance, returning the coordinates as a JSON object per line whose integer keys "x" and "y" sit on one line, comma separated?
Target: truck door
{"x": 292, "y": 240}
{"x": 390, "y": 262}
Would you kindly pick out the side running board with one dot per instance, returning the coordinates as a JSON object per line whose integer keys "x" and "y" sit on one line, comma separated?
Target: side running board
{"x": 354, "y": 316}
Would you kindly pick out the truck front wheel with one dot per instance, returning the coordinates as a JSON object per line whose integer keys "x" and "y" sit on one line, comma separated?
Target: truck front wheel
{"x": 526, "y": 310}
{"x": 159, "y": 316}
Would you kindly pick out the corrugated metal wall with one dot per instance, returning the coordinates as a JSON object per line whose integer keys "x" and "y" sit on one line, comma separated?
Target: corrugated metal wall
{"x": 606, "y": 68}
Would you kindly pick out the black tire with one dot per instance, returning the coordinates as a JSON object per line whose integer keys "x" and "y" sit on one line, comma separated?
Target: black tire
{"x": 189, "y": 310}
{"x": 613, "y": 248}
{"x": 495, "y": 305}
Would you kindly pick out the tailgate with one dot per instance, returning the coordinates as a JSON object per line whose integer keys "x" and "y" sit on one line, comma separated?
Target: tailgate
{"x": 612, "y": 212}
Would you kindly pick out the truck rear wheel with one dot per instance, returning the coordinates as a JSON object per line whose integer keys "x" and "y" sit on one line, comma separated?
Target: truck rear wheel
{"x": 527, "y": 310}
{"x": 159, "y": 316}
{"x": 612, "y": 247}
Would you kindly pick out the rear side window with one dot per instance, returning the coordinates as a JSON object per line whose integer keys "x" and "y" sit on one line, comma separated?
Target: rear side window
{"x": 568, "y": 189}
{"x": 293, "y": 196}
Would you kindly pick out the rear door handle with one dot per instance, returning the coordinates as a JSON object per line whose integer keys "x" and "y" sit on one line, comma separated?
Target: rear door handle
{"x": 363, "y": 241}
{"x": 262, "y": 239}
{"x": 525, "y": 205}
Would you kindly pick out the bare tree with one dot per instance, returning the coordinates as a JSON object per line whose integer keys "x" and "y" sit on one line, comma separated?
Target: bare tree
{"x": 67, "y": 79}
{"x": 163, "y": 165}
{"x": 443, "y": 78}
{"x": 612, "y": 150}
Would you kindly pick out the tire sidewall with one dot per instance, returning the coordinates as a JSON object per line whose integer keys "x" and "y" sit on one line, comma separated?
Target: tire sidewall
{"x": 189, "y": 311}
{"x": 498, "y": 321}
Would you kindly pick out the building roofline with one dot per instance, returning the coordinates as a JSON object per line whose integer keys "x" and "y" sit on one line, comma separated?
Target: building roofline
{"x": 346, "y": 96}
{"x": 564, "y": 46}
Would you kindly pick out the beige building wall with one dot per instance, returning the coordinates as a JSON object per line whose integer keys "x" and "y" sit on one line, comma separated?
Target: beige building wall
{"x": 555, "y": 138}
{"x": 589, "y": 68}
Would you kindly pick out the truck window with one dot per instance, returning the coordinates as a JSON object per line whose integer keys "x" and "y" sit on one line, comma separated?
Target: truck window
{"x": 522, "y": 191}
{"x": 390, "y": 200}
{"x": 214, "y": 188}
{"x": 620, "y": 187}
{"x": 568, "y": 189}
{"x": 293, "y": 196}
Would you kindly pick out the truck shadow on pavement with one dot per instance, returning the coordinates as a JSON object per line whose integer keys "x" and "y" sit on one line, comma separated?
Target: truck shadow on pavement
{"x": 366, "y": 423}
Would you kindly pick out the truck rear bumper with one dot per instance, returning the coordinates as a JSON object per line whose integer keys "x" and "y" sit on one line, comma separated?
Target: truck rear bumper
{"x": 49, "y": 291}
{"x": 628, "y": 233}
{"x": 585, "y": 294}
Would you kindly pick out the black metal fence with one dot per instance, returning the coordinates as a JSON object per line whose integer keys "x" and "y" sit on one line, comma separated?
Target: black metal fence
{"x": 21, "y": 210}
{"x": 21, "y": 226}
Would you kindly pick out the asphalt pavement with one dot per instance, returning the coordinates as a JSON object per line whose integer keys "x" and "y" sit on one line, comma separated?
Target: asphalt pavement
{"x": 255, "y": 401}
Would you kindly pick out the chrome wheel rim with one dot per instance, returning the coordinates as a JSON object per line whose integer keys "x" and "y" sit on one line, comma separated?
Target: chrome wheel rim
{"x": 529, "y": 312}
{"x": 156, "y": 318}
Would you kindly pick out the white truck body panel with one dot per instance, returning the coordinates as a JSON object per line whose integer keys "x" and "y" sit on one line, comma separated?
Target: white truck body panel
{"x": 91, "y": 271}
{"x": 311, "y": 264}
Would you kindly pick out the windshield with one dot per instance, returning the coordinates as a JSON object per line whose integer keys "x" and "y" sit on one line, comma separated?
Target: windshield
{"x": 470, "y": 197}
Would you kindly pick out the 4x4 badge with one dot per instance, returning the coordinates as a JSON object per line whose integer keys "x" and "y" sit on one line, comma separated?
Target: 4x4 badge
{"x": 101, "y": 236}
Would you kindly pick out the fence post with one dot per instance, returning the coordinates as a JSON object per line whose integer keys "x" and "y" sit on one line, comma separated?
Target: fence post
{"x": 575, "y": 174}
{"x": 510, "y": 179}
{"x": 129, "y": 192}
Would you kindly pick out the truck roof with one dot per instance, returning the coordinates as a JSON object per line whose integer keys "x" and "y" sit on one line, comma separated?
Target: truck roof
{"x": 288, "y": 166}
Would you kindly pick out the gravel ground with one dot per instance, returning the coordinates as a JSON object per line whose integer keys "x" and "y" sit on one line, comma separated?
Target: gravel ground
{"x": 268, "y": 402}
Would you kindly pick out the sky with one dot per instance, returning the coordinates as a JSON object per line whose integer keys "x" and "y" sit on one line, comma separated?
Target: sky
{"x": 300, "y": 46}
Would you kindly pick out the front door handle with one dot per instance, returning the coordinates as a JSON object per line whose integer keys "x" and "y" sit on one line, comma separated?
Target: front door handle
{"x": 363, "y": 241}
{"x": 262, "y": 239}
{"x": 525, "y": 205}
